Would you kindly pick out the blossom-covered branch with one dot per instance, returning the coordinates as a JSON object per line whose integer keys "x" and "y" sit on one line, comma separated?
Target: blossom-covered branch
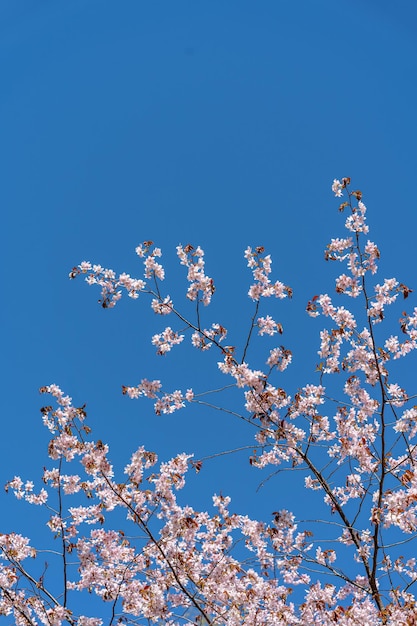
{"x": 349, "y": 434}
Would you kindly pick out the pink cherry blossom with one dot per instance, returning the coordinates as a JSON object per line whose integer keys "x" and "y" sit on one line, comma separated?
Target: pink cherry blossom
{"x": 129, "y": 539}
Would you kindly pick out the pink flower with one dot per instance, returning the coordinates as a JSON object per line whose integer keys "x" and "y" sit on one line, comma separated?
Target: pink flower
{"x": 268, "y": 326}
{"x": 166, "y": 340}
{"x": 337, "y": 188}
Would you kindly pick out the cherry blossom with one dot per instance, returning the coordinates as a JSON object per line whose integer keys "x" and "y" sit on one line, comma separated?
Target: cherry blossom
{"x": 127, "y": 537}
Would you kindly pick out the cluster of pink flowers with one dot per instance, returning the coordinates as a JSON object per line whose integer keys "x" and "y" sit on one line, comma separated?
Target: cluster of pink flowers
{"x": 162, "y": 307}
{"x": 261, "y": 268}
{"x": 164, "y": 402}
{"x": 193, "y": 259}
{"x": 154, "y": 578}
{"x": 353, "y": 443}
{"x": 109, "y": 283}
{"x": 24, "y": 491}
{"x": 165, "y": 340}
{"x": 268, "y": 326}
{"x": 201, "y": 339}
{"x": 150, "y": 254}
{"x": 280, "y": 358}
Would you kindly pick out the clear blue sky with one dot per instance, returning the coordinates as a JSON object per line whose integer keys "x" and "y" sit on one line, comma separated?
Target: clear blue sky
{"x": 218, "y": 123}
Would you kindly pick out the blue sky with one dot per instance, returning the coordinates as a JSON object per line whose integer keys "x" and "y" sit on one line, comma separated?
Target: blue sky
{"x": 221, "y": 124}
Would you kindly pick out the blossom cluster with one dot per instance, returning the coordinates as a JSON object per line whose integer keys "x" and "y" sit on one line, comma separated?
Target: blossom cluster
{"x": 261, "y": 268}
{"x": 164, "y": 402}
{"x": 201, "y": 338}
{"x": 193, "y": 259}
{"x": 349, "y": 434}
{"x": 189, "y": 564}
